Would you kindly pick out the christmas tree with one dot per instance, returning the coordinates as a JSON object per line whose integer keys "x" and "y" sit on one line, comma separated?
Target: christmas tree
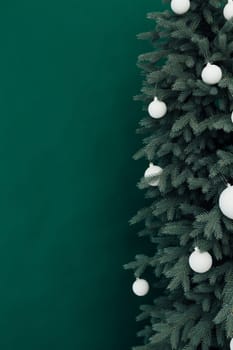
{"x": 188, "y": 143}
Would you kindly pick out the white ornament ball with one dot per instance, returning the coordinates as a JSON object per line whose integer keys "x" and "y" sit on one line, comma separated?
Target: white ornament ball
{"x": 200, "y": 262}
{"x": 228, "y": 10}
{"x": 152, "y": 174}
{"x": 232, "y": 117}
{"x": 140, "y": 287}
{"x": 180, "y": 6}
{"x": 157, "y": 109}
{"x": 226, "y": 202}
{"x": 231, "y": 344}
{"x": 211, "y": 74}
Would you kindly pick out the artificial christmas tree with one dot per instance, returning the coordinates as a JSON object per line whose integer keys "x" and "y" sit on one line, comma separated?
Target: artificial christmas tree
{"x": 190, "y": 70}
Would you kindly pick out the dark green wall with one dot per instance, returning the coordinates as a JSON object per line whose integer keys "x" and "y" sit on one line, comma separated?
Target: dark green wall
{"x": 67, "y": 181}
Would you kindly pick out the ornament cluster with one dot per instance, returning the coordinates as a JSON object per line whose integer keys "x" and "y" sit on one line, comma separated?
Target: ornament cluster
{"x": 199, "y": 261}
{"x": 211, "y": 75}
{"x": 180, "y": 7}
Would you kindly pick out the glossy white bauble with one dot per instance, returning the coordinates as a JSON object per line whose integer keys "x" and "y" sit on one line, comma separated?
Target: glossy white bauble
{"x": 140, "y": 287}
{"x": 211, "y": 74}
{"x": 180, "y": 7}
{"x": 152, "y": 174}
{"x": 157, "y": 109}
{"x": 200, "y": 262}
{"x": 226, "y": 202}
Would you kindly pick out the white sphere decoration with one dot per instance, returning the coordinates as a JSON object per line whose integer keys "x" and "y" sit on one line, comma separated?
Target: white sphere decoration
{"x": 152, "y": 174}
{"x": 180, "y": 7}
{"x": 228, "y": 10}
{"x": 200, "y": 262}
{"x": 226, "y": 202}
{"x": 211, "y": 74}
{"x": 231, "y": 344}
{"x": 157, "y": 109}
{"x": 140, "y": 287}
{"x": 232, "y": 117}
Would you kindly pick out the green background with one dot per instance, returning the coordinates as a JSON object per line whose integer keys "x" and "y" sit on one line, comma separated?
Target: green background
{"x": 67, "y": 181}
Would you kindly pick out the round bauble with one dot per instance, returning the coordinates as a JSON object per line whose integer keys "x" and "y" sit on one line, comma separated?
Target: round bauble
{"x": 152, "y": 174}
{"x": 200, "y": 262}
{"x": 232, "y": 117}
{"x": 157, "y": 109}
{"x": 226, "y": 202}
{"x": 211, "y": 74}
{"x": 180, "y": 7}
{"x": 140, "y": 287}
{"x": 228, "y": 10}
{"x": 231, "y": 344}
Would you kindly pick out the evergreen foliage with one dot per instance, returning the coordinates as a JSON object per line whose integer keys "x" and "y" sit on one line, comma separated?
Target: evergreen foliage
{"x": 193, "y": 144}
